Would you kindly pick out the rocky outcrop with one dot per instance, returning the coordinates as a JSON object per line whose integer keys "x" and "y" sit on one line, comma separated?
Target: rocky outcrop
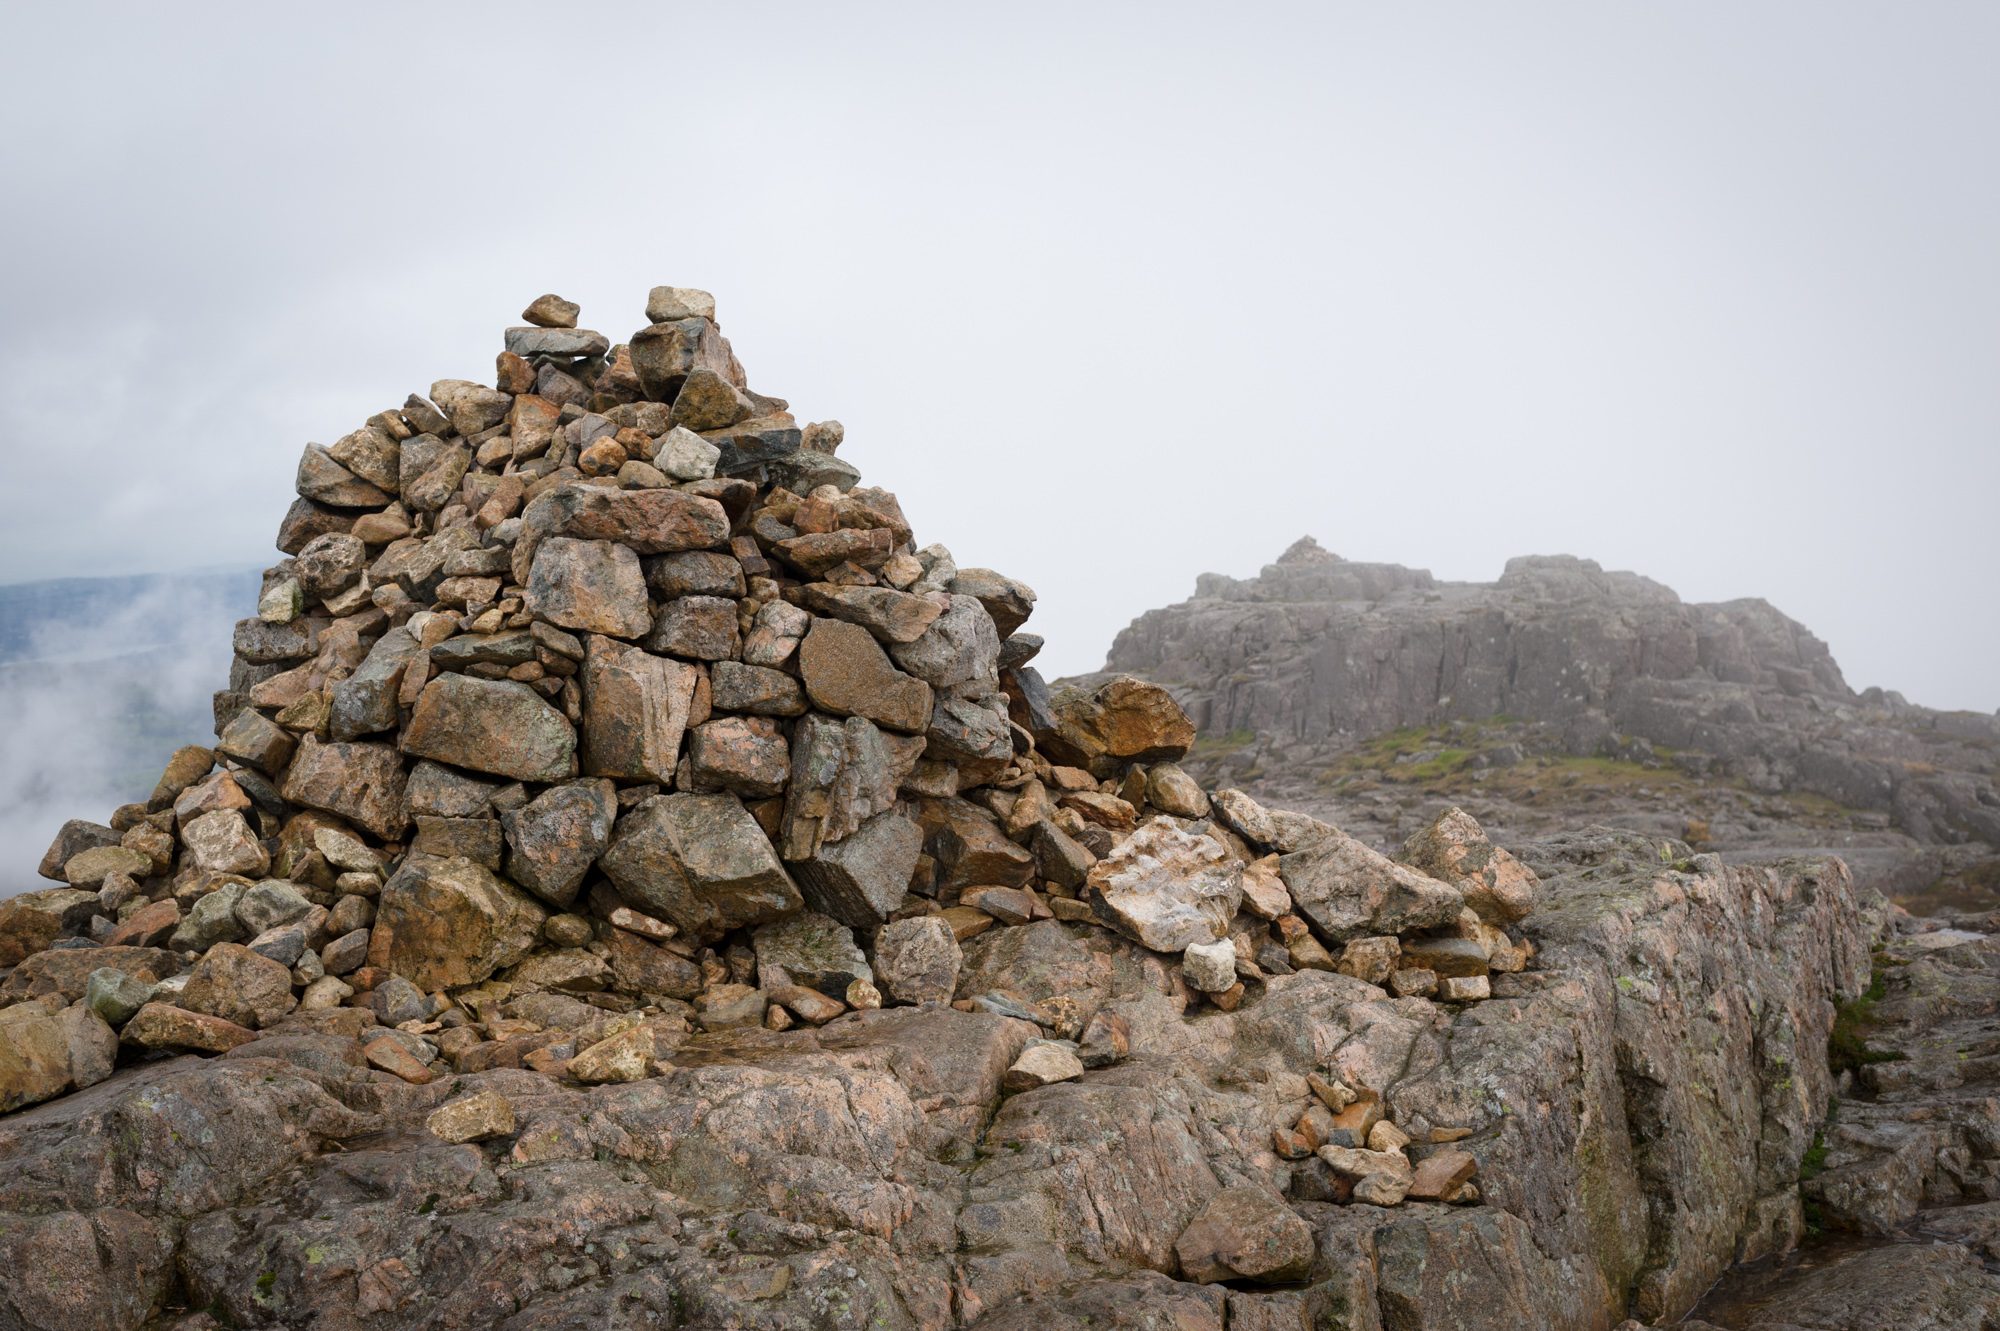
{"x": 635, "y": 883}
{"x": 1294, "y": 677}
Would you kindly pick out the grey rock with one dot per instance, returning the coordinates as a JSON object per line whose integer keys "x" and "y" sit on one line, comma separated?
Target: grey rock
{"x": 699, "y": 862}
{"x": 811, "y": 950}
{"x": 862, "y": 879}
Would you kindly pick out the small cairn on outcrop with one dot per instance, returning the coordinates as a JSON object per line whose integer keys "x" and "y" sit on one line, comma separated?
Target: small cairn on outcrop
{"x": 604, "y": 705}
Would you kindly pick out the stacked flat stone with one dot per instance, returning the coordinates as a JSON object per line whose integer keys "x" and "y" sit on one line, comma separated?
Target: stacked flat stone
{"x": 608, "y": 693}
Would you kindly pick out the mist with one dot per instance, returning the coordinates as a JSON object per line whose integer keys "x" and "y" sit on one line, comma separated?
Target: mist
{"x": 93, "y": 702}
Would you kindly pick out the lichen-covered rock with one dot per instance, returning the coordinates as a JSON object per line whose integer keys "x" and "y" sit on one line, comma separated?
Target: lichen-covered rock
{"x": 554, "y": 839}
{"x": 701, "y": 863}
{"x": 495, "y": 726}
{"x": 448, "y": 922}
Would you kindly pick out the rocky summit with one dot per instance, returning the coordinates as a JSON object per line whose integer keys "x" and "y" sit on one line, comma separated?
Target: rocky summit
{"x": 1561, "y": 694}
{"x": 634, "y": 883}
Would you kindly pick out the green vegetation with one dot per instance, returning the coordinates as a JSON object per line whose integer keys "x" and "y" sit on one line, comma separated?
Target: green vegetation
{"x": 1847, "y": 1047}
{"x": 1208, "y": 747}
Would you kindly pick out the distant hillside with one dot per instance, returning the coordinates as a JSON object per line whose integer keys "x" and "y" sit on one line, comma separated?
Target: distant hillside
{"x": 1564, "y": 692}
{"x": 100, "y": 679}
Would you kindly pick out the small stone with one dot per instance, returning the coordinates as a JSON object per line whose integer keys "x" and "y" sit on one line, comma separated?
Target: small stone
{"x": 1042, "y": 1063}
{"x": 552, "y": 311}
{"x": 1106, "y": 1039}
{"x": 1413, "y": 983}
{"x": 1008, "y": 601}
{"x": 1386, "y": 1136}
{"x": 282, "y": 602}
{"x": 671, "y": 304}
{"x": 1464, "y": 988}
{"x": 1382, "y": 1178}
{"x": 701, "y": 627}
{"x": 627, "y": 1056}
{"x": 389, "y": 1054}
{"x": 1371, "y": 960}
{"x": 1440, "y": 1175}
{"x": 1209, "y": 967}
{"x": 1008, "y": 905}
{"x": 809, "y": 1005}
{"x": 472, "y": 1118}
{"x": 1334, "y": 1094}
{"x": 863, "y": 996}
{"x": 116, "y": 996}
{"x": 812, "y": 950}
{"x": 1171, "y": 790}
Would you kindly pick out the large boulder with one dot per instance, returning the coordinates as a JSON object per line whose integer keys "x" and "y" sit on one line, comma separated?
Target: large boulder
{"x": 1167, "y": 889}
{"x": 590, "y": 586}
{"x": 554, "y": 839}
{"x": 43, "y": 1053}
{"x": 491, "y": 725}
{"x": 1347, "y": 890}
{"x": 1123, "y": 720}
{"x": 448, "y": 922}
{"x": 360, "y": 782}
{"x": 700, "y": 862}
{"x": 847, "y": 673}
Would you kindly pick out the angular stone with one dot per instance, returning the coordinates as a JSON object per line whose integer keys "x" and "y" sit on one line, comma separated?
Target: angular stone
{"x": 666, "y": 352}
{"x": 441, "y": 792}
{"x": 480, "y": 1116}
{"x": 329, "y": 564}
{"x": 446, "y": 923}
{"x": 863, "y": 879}
{"x": 708, "y": 401}
{"x": 972, "y": 851}
{"x": 640, "y": 967}
{"x": 321, "y": 480}
{"x": 747, "y": 755}
{"x": 1449, "y": 957}
{"x": 431, "y": 471}
{"x": 892, "y": 616}
{"x": 625, "y": 1057}
{"x": 255, "y": 739}
{"x": 1209, "y": 967}
{"x": 562, "y": 343}
{"x": 1245, "y": 1233}
{"x": 89, "y": 868}
{"x": 843, "y": 773}
{"x": 636, "y": 708}
{"x": 74, "y": 837}
{"x": 1009, "y": 905}
{"x": 362, "y": 783}
{"x": 239, "y": 986}
{"x": 222, "y": 842}
{"x": 1124, "y": 720}
{"x": 475, "y": 839}
{"x": 495, "y": 726}
{"x": 470, "y": 407}
{"x": 551, "y": 311}
{"x": 694, "y": 573}
{"x": 1464, "y": 988}
{"x": 685, "y": 456}
{"x": 699, "y": 862}
{"x": 1346, "y": 889}
{"x": 847, "y": 673}
{"x": 1008, "y": 601}
{"x": 917, "y": 960}
{"x": 1171, "y": 790}
{"x": 650, "y": 522}
{"x": 667, "y": 304}
{"x": 1439, "y": 1175}
{"x": 961, "y": 647}
{"x": 702, "y": 627}
{"x": 366, "y": 702}
{"x": 754, "y": 690}
{"x": 1167, "y": 889}
{"x": 33, "y": 920}
{"x": 554, "y": 839}
{"x": 388, "y": 1054}
{"x": 211, "y": 920}
{"x": 1455, "y": 850}
{"x": 1042, "y": 1063}
{"x": 115, "y": 996}
{"x": 816, "y": 554}
{"x": 812, "y": 950}
{"x": 590, "y": 586}
{"x": 164, "y": 1026}
{"x": 43, "y": 1054}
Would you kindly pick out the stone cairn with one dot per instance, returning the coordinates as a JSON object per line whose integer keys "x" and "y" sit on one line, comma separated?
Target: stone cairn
{"x": 605, "y": 704}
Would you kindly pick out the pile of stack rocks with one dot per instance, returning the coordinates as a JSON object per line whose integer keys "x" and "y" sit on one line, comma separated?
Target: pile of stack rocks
{"x": 605, "y": 704}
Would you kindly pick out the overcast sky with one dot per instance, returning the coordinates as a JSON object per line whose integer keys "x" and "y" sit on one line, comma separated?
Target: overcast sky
{"x": 1111, "y": 295}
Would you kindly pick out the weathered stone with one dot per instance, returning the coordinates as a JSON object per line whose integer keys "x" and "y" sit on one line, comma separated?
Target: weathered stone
{"x": 685, "y": 456}
{"x": 863, "y": 878}
{"x": 477, "y": 839}
{"x": 694, "y": 573}
{"x": 1464, "y": 988}
{"x": 636, "y": 708}
{"x": 554, "y": 839}
{"x": 843, "y": 773}
{"x": 708, "y": 401}
{"x": 755, "y": 690}
{"x": 624, "y": 1057}
{"x": 431, "y": 471}
{"x": 1167, "y": 889}
{"x": 321, "y": 480}
{"x": 917, "y": 960}
{"x": 747, "y": 755}
{"x": 699, "y": 862}
{"x": 649, "y": 522}
{"x": 847, "y": 673}
{"x": 1209, "y": 967}
{"x": 1042, "y": 1063}
{"x": 74, "y": 837}
{"x": 492, "y": 726}
{"x": 812, "y": 950}
{"x": 971, "y": 850}
{"x": 563, "y": 342}
{"x": 360, "y": 782}
{"x": 388, "y": 1054}
{"x": 1455, "y": 850}
{"x": 444, "y": 793}
{"x": 590, "y": 586}
{"x": 1123, "y": 720}
{"x": 470, "y": 407}
{"x": 89, "y": 868}
{"x": 1245, "y": 1233}
{"x": 1448, "y": 957}
{"x": 43, "y": 1054}
{"x": 702, "y": 627}
{"x": 365, "y": 703}
{"x": 164, "y": 1026}
{"x": 222, "y": 842}
{"x": 115, "y": 996}
{"x": 1171, "y": 790}
{"x": 480, "y": 1116}
{"x": 1346, "y": 889}
{"x": 1372, "y": 960}
{"x": 329, "y": 564}
{"x": 1439, "y": 1175}
{"x": 444, "y": 923}
{"x": 33, "y": 920}
{"x": 239, "y": 986}
{"x": 892, "y": 616}
{"x": 253, "y": 738}
{"x": 551, "y": 311}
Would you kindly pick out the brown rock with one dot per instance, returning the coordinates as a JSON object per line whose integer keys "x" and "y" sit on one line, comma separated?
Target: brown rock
{"x": 239, "y": 986}
{"x": 164, "y": 1026}
{"x": 702, "y": 627}
{"x": 590, "y": 586}
{"x": 360, "y": 782}
{"x": 1123, "y": 719}
{"x": 149, "y": 926}
{"x": 847, "y": 673}
{"x": 387, "y": 1053}
{"x": 747, "y": 755}
{"x": 555, "y": 838}
{"x": 1439, "y": 1175}
{"x": 1245, "y": 1233}
{"x": 636, "y": 708}
{"x": 701, "y": 863}
{"x": 1454, "y": 849}
{"x": 818, "y": 553}
{"x": 892, "y": 616}
{"x": 495, "y": 726}
{"x": 445, "y": 923}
